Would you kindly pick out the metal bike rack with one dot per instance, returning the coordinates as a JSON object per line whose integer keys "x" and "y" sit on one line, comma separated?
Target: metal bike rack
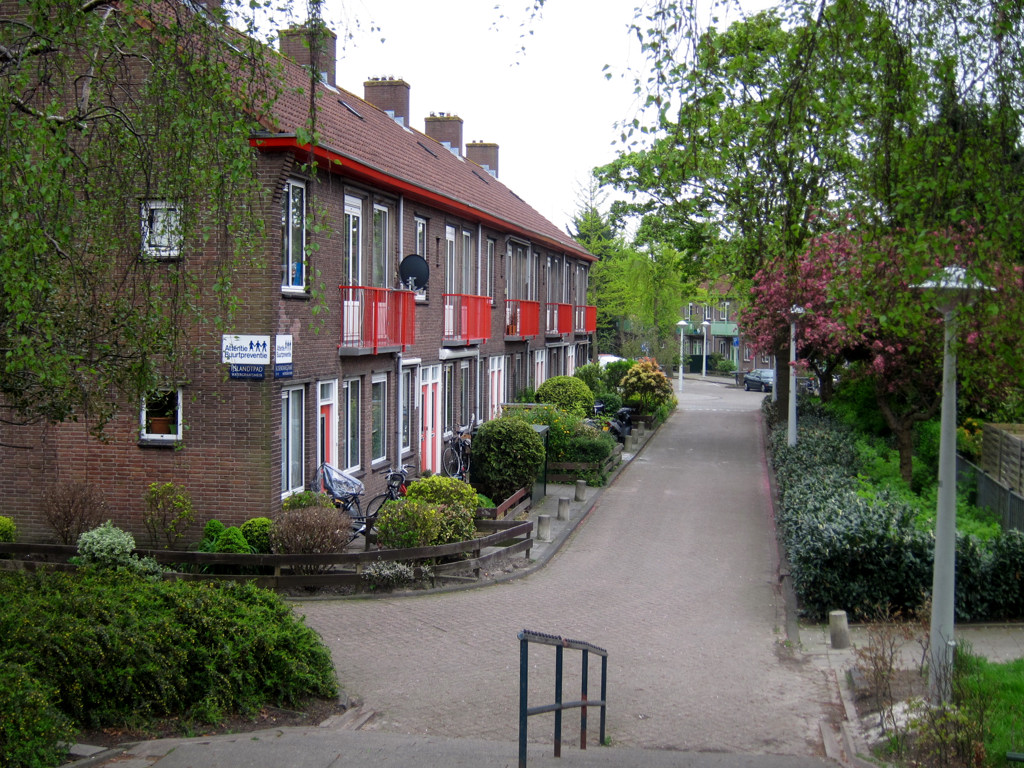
{"x": 525, "y": 638}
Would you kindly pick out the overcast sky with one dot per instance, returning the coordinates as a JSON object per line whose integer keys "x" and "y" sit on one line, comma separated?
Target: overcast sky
{"x": 543, "y": 97}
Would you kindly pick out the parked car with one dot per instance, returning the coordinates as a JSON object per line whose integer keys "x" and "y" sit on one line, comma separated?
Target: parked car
{"x": 761, "y": 379}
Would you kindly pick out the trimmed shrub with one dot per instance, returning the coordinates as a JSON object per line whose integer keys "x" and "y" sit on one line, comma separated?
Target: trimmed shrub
{"x": 33, "y": 732}
{"x": 257, "y": 533}
{"x": 646, "y": 385}
{"x": 169, "y": 513}
{"x": 71, "y": 509}
{"x": 568, "y": 393}
{"x": 1006, "y": 585}
{"x": 591, "y": 375}
{"x": 108, "y": 547}
{"x": 232, "y": 541}
{"x": 309, "y": 531}
{"x": 8, "y": 530}
{"x": 304, "y": 499}
{"x": 412, "y": 522}
{"x": 211, "y": 531}
{"x": 444, "y": 492}
{"x": 614, "y": 371}
{"x": 113, "y": 648}
{"x": 507, "y": 455}
{"x": 570, "y": 438}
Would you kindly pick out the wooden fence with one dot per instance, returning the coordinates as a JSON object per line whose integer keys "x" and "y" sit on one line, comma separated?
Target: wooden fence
{"x": 570, "y": 471}
{"x": 1002, "y": 454}
{"x": 500, "y": 539}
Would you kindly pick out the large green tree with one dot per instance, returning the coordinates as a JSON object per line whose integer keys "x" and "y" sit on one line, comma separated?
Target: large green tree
{"x": 905, "y": 116}
{"x": 129, "y": 194}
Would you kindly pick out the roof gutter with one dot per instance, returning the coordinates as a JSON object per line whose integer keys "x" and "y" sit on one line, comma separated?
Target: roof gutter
{"x": 333, "y": 161}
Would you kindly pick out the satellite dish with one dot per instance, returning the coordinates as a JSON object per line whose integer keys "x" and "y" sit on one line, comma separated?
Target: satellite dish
{"x": 414, "y": 272}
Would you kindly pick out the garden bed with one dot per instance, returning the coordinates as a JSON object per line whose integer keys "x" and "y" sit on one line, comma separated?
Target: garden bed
{"x": 594, "y": 472}
{"x": 345, "y": 570}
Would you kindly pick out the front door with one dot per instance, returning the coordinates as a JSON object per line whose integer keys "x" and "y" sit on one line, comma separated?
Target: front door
{"x": 430, "y": 408}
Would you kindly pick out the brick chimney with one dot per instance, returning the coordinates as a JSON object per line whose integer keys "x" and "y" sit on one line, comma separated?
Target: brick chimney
{"x": 389, "y": 95}
{"x": 485, "y": 155}
{"x": 294, "y": 43}
{"x": 446, "y": 129}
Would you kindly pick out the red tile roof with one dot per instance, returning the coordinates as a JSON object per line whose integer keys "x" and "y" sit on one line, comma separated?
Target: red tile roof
{"x": 370, "y": 145}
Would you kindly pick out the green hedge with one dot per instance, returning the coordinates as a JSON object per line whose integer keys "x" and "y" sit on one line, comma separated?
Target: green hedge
{"x": 106, "y": 647}
{"x": 862, "y": 548}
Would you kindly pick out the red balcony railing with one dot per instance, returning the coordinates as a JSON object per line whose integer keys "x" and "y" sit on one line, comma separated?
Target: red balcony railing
{"x": 522, "y": 317}
{"x": 559, "y": 319}
{"x": 372, "y": 318}
{"x": 584, "y": 319}
{"x": 466, "y": 318}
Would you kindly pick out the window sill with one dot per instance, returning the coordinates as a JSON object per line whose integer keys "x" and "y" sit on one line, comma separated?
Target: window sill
{"x": 150, "y": 441}
{"x": 294, "y": 293}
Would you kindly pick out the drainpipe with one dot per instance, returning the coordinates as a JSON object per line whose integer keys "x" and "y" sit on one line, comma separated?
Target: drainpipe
{"x": 398, "y": 354}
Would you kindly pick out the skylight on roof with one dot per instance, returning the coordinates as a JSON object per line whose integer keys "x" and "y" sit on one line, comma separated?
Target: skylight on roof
{"x": 350, "y": 108}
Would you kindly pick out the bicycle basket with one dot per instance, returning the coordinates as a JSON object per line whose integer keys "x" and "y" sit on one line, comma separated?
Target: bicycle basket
{"x": 335, "y": 483}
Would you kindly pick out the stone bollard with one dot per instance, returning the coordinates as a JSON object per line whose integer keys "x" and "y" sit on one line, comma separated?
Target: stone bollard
{"x": 581, "y": 490}
{"x": 640, "y": 429}
{"x": 838, "y": 630}
{"x": 627, "y": 444}
{"x": 563, "y": 508}
{"x": 543, "y": 527}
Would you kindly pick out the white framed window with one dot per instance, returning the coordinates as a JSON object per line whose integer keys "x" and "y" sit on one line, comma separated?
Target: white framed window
{"x": 480, "y": 400}
{"x": 160, "y": 416}
{"x": 448, "y": 393}
{"x": 378, "y": 417}
{"x": 292, "y": 440}
{"x": 353, "y": 272}
{"x": 496, "y": 385}
{"x": 161, "y": 229}
{"x": 382, "y": 271}
{"x": 407, "y": 410}
{"x": 327, "y": 422}
{"x": 468, "y": 258}
{"x": 539, "y": 370}
{"x": 465, "y": 390}
{"x": 421, "y": 236}
{"x": 351, "y": 401}
{"x": 293, "y": 236}
{"x": 488, "y": 270}
{"x": 451, "y": 273}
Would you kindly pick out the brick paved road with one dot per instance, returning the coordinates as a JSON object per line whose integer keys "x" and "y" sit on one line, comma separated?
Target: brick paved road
{"x": 674, "y": 572}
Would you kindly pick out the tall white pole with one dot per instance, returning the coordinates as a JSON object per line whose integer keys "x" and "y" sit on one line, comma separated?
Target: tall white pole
{"x": 940, "y": 669}
{"x": 704, "y": 364}
{"x": 791, "y": 434}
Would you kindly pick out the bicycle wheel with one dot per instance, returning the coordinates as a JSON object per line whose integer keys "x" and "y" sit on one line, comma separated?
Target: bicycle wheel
{"x": 450, "y": 463}
{"x": 357, "y": 523}
{"x": 373, "y": 508}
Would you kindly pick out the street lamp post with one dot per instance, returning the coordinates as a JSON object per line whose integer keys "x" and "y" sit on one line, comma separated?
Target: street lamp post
{"x": 704, "y": 366}
{"x": 948, "y": 293}
{"x": 682, "y": 325}
{"x": 794, "y": 314}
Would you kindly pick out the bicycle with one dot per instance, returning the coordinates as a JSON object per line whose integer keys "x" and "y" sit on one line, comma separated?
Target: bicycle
{"x": 396, "y": 490}
{"x": 344, "y": 490}
{"x": 455, "y": 458}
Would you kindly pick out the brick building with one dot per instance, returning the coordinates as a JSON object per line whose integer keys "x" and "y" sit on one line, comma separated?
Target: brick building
{"x": 381, "y": 374}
